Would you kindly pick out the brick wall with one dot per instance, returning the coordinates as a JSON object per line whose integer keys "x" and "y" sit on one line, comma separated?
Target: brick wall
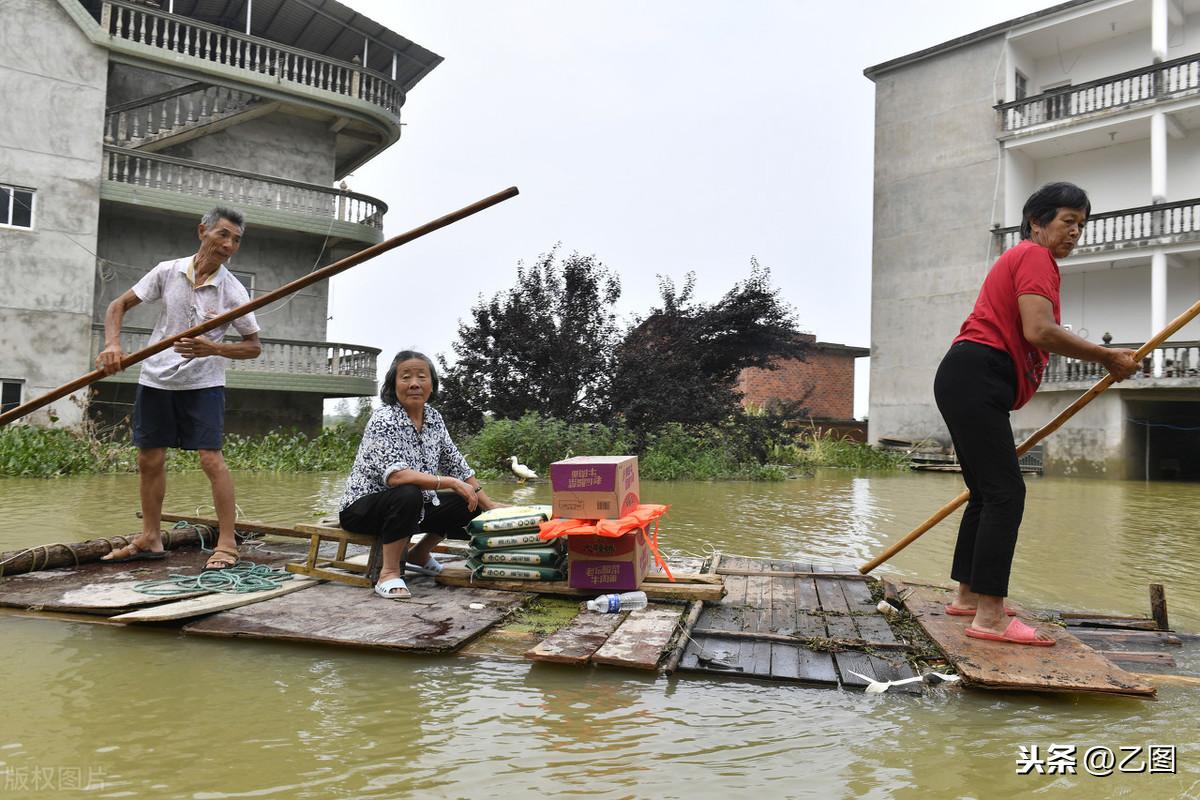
{"x": 827, "y": 376}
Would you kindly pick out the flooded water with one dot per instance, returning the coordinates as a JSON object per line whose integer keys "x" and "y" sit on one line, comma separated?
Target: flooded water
{"x": 105, "y": 711}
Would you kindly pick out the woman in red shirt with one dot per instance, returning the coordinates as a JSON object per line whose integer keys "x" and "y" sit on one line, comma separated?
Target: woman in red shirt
{"x": 994, "y": 366}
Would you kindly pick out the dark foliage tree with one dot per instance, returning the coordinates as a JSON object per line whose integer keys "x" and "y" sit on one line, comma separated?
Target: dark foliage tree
{"x": 681, "y": 363}
{"x": 545, "y": 345}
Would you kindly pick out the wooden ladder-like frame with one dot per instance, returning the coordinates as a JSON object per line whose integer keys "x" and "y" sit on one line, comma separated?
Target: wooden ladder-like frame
{"x": 339, "y": 569}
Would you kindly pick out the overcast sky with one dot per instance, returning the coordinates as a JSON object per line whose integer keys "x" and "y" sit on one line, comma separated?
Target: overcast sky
{"x": 661, "y": 137}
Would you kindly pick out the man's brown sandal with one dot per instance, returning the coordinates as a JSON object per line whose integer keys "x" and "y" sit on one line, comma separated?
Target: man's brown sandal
{"x": 222, "y": 558}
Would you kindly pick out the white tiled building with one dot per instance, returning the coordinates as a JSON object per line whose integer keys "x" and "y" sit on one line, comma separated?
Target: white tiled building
{"x": 1102, "y": 93}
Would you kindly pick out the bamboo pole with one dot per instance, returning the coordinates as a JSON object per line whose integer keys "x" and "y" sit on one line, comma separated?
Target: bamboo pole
{"x": 1041, "y": 433}
{"x": 288, "y": 288}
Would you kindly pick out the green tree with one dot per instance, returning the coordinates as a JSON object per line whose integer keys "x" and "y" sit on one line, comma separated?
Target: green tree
{"x": 545, "y": 345}
{"x": 681, "y": 362}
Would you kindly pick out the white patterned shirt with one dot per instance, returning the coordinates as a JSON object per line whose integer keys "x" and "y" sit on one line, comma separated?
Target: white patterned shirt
{"x": 185, "y": 306}
{"x": 391, "y": 443}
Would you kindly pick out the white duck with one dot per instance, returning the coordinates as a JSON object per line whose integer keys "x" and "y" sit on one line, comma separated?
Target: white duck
{"x": 522, "y": 472}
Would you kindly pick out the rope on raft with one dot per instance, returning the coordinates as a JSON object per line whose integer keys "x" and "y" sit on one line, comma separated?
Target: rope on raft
{"x": 241, "y": 579}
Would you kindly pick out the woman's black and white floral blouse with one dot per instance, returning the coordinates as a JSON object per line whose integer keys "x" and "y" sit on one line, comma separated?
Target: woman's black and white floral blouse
{"x": 391, "y": 443}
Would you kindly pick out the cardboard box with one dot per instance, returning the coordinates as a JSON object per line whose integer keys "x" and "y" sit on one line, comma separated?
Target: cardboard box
{"x": 595, "y": 487}
{"x": 607, "y": 563}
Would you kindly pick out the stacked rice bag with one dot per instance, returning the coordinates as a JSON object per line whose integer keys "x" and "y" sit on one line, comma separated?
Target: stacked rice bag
{"x": 505, "y": 544}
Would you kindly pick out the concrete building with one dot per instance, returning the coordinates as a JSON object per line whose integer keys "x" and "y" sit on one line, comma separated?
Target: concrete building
{"x": 1102, "y": 93}
{"x": 133, "y": 119}
{"x": 823, "y": 382}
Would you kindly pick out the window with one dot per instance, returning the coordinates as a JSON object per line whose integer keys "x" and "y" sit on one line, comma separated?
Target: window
{"x": 1020, "y": 87}
{"x": 16, "y": 207}
{"x": 247, "y": 279}
{"x": 10, "y": 394}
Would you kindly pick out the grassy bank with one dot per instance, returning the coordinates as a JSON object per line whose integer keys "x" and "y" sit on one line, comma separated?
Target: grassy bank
{"x": 26, "y": 451}
{"x": 673, "y": 452}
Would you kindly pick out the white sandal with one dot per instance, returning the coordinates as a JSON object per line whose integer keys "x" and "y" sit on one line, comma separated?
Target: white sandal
{"x": 385, "y": 589}
{"x": 432, "y": 567}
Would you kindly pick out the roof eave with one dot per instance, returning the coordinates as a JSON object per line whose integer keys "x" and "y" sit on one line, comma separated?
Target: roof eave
{"x": 970, "y": 38}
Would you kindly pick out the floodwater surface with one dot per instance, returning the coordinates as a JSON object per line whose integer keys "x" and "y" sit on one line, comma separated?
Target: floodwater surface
{"x": 105, "y": 711}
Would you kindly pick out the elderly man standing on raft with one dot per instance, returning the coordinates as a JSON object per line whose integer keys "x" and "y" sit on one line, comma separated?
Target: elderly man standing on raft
{"x": 181, "y": 391}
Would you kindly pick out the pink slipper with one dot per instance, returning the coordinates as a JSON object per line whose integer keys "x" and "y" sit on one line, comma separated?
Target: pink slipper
{"x": 1017, "y": 632}
{"x": 970, "y": 612}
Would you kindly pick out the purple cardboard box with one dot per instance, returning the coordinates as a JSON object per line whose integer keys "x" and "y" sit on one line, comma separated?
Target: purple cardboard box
{"x": 607, "y": 563}
{"x": 595, "y": 487}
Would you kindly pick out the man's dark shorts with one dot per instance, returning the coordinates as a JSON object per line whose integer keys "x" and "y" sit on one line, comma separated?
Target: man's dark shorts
{"x": 192, "y": 419}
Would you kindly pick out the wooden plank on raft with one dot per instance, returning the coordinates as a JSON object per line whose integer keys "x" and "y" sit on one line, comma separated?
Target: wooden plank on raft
{"x": 1069, "y": 666}
{"x": 577, "y": 641}
{"x": 655, "y": 590}
{"x": 437, "y": 619}
{"x": 758, "y": 629}
{"x": 755, "y": 656}
{"x": 850, "y": 616}
{"x": 211, "y": 603}
{"x": 1138, "y": 660}
{"x": 833, "y": 599}
{"x": 103, "y": 587}
{"x": 1102, "y": 639}
{"x": 689, "y": 620}
{"x": 641, "y": 639}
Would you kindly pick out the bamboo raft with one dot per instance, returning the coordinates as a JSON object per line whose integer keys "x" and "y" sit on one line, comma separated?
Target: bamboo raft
{"x": 739, "y": 618}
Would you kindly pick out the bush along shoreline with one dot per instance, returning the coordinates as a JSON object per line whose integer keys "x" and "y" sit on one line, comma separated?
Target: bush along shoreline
{"x": 671, "y": 452}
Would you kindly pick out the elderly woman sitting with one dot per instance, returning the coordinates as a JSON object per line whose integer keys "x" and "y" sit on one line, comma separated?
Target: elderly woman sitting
{"x": 405, "y": 458}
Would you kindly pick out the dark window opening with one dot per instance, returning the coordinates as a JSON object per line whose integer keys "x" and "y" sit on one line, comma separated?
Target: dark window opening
{"x": 10, "y": 395}
{"x": 16, "y": 207}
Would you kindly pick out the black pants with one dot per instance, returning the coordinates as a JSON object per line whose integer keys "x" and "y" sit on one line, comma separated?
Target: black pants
{"x": 975, "y": 388}
{"x": 395, "y": 514}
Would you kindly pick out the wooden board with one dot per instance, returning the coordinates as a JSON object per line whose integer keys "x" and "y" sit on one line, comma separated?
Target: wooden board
{"x": 769, "y": 602}
{"x": 105, "y": 588}
{"x": 655, "y": 590}
{"x": 437, "y": 619}
{"x": 756, "y": 602}
{"x": 1101, "y": 639}
{"x": 1069, "y": 666}
{"x": 211, "y": 603}
{"x": 641, "y": 639}
{"x": 577, "y": 641}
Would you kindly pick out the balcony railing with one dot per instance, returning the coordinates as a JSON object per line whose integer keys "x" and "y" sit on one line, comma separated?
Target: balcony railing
{"x": 154, "y": 171}
{"x": 283, "y": 356}
{"x": 1178, "y": 360}
{"x": 1162, "y": 81}
{"x": 170, "y": 113}
{"x": 1165, "y": 222}
{"x": 183, "y": 36}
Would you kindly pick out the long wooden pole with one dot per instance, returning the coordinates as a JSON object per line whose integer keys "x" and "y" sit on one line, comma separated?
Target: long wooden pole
{"x": 270, "y": 297}
{"x": 1041, "y": 433}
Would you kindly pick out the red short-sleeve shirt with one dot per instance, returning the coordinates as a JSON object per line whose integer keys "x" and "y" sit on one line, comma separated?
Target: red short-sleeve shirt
{"x": 1027, "y": 268}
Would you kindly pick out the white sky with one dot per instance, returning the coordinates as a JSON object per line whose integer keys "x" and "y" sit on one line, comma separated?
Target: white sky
{"x": 661, "y": 136}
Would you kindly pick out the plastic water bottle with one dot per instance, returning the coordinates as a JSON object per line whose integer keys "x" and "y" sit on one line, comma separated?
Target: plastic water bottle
{"x": 613, "y": 603}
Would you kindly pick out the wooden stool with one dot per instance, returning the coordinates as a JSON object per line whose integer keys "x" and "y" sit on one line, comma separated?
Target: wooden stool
{"x": 355, "y": 574}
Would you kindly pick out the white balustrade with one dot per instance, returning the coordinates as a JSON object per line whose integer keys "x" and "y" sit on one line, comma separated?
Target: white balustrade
{"x": 156, "y": 171}
{"x": 281, "y": 356}
{"x": 1167, "y": 80}
{"x": 188, "y": 37}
